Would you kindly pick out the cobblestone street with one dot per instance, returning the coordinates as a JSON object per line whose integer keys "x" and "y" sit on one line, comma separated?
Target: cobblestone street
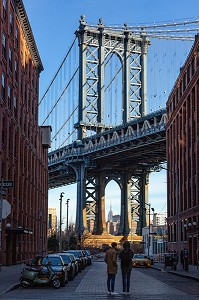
{"x": 91, "y": 284}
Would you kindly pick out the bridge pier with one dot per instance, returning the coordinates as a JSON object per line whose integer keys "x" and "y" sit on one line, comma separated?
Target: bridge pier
{"x": 124, "y": 217}
{"x": 81, "y": 221}
{"x": 100, "y": 216}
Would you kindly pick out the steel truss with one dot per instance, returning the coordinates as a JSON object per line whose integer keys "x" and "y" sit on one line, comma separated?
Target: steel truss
{"x": 97, "y": 45}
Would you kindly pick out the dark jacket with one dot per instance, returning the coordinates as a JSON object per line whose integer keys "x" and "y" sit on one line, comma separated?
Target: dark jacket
{"x": 126, "y": 260}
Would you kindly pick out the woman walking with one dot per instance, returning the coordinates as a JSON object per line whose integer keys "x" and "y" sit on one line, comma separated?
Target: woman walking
{"x": 126, "y": 266}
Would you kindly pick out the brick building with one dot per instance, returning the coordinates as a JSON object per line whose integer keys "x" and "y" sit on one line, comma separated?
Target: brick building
{"x": 23, "y": 146}
{"x": 182, "y": 135}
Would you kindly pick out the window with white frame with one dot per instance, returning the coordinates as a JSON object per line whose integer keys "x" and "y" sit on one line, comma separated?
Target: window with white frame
{"x": 3, "y": 90}
{"x": 3, "y": 45}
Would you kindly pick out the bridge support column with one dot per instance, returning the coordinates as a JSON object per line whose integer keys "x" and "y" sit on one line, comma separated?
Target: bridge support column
{"x": 101, "y": 220}
{"x": 81, "y": 223}
{"x": 143, "y": 200}
{"x": 124, "y": 218}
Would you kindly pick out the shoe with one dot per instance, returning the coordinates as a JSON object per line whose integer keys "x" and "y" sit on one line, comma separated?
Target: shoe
{"x": 127, "y": 293}
{"x": 124, "y": 293}
{"x": 109, "y": 293}
{"x": 114, "y": 293}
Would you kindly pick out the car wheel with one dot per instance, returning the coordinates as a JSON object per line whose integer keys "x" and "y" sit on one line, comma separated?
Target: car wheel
{"x": 56, "y": 283}
{"x": 25, "y": 283}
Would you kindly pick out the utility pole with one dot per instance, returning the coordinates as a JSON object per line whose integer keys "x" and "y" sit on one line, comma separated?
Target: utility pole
{"x": 60, "y": 222}
{"x": 149, "y": 240}
{"x": 67, "y": 202}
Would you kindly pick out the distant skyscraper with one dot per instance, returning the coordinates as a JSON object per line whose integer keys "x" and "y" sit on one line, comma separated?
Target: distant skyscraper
{"x": 110, "y": 214}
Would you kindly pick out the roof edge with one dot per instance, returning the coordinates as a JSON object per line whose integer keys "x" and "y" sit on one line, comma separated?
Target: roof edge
{"x": 23, "y": 18}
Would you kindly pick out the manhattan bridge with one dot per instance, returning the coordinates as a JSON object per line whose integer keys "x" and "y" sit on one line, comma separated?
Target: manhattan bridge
{"x": 107, "y": 108}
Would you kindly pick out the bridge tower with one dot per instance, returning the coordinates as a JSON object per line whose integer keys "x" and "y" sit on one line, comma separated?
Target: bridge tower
{"x": 96, "y": 44}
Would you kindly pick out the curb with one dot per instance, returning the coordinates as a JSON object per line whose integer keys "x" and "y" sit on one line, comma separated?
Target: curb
{"x": 176, "y": 273}
{"x": 11, "y": 288}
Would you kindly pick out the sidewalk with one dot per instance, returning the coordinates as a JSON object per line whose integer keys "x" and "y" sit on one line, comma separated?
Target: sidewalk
{"x": 9, "y": 275}
{"x": 193, "y": 271}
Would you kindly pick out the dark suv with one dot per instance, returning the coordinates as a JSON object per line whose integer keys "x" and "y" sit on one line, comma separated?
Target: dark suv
{"x": 57, "y": 264}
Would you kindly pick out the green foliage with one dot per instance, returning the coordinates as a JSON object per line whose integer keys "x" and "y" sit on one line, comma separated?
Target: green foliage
{"x": 53, "y": 244}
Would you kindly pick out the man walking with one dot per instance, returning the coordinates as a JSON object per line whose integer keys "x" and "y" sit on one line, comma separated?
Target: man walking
{"x": 111, "y": 261}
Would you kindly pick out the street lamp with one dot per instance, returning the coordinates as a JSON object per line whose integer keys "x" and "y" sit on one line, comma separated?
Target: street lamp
{"x": 67, "y": 202}
{"x": 132, "y": 210}
{"x": 60, "y": 222}
{"x": 149, "y": 233}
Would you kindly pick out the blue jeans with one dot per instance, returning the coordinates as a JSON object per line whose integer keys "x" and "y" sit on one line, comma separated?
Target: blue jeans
{"x": 126, "y": 281}
{"x": 111, "y": 282}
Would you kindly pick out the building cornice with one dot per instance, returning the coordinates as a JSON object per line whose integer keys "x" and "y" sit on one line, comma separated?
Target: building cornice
{"x": 23, "y": 18}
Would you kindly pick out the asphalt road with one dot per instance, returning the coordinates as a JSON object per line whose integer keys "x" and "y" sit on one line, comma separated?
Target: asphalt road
{"x": 91, "y": 284}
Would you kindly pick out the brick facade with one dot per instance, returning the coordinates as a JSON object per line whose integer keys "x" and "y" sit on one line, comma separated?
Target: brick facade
{"x": 23, "y": 158}
{"x": 182, "y": 136}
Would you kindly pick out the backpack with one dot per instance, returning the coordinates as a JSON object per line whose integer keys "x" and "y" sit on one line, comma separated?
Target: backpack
{"x": 126, "y": 257}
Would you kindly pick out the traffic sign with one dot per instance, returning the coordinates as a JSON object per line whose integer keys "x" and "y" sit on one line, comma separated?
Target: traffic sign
{"x": 6, "y": 184}
{"x": 6, "y": 209}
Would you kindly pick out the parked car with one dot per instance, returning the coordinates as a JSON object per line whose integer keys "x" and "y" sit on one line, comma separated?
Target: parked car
{"x": 85, "y": 257}
{"x": 89, "y": 257}
{"x": 74, "y": 261}
{"x": 57, "y": 264}
{"x": 140, "y": 260}
{"x": 78, "y": 260}
{"x": 78, "y": 254}
{"x": 71, "y": 266}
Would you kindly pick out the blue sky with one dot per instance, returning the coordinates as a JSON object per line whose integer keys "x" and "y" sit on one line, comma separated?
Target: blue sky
{"x": 54, "y": 23}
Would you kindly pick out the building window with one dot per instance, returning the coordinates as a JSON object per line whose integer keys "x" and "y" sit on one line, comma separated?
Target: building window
{"x": 184, "y": 82}
{"x": 16, "y": 71}
{"x": 3, "y": 46}
{"x": 9, "y": 97}
{"x": 16, "y": 37}
{"x": 21, "y": 114}
{"x": 3, "y": 90}
{"x": 181, "y": 89}
{"x": 4, "y": 9}
{"x": 188, "y": 74}
{"x": 11, "y": 23}
{"x": 10, "y": 59}
{"x": 193, "y": 66}
{"x": 15, "y": 106}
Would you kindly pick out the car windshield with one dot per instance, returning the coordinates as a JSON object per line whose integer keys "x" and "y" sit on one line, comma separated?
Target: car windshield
{"x": 66, "y": 258}
{"x": 55, "y": 261}
{"x": 76, "y": 254}
{"x": 139, "y": 256}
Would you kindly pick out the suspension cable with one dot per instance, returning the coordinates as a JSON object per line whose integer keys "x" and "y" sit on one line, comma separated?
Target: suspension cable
{"x": 58, "y": 71}
{"x": 60, "y": 95}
